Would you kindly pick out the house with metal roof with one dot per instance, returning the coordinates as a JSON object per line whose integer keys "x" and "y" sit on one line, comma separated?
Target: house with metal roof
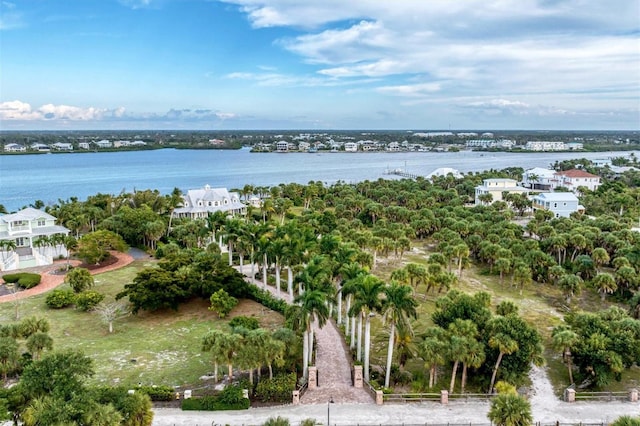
{"x": 562, "y": 204}
{"x": 198, "y": 203}
{"x": 30, "y": 237}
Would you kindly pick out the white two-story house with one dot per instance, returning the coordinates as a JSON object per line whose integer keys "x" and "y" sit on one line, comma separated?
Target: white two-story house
{"x": 496, "y": 187}
{"x": 26, "y": 239}
{"x": 198, "y": 203}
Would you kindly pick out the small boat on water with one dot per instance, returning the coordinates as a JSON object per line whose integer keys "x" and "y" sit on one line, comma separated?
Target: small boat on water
{"x": 312, "y": 150}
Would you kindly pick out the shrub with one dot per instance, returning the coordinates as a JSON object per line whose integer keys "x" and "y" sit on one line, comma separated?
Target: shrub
{"x": 157, "y": 393}
{"x": 222, "y": 303}
{"x": 277, "y": 389}
{"x": 246, "y": 322}
{"x": 229, "y": 399}
{"x": 79, "y": 279}
{"x": 87, "y": 300}
{"x": 276, "y": 421}
{"x": 59, "y": 299}
{"x": 23, "y": 279}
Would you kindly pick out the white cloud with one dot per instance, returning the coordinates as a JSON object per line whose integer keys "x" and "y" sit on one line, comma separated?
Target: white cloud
{"x": 471, "y": 48}
{"x": 18, "y": 110}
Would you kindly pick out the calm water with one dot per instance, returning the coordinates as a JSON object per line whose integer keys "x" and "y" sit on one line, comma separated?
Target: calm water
{"x": 49, "y": 177}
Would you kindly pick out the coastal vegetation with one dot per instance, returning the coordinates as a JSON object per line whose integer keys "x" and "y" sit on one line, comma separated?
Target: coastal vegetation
{"x": 470, "y": 295}
{"x": 16, "y": 143}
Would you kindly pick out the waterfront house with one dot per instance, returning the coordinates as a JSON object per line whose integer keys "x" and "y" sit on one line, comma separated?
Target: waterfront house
{"x": 84, "y": 145}
{"x": 62, "y": 146}
{"x": 350, "y": 147}
{"x": 573, "y": 179}
{"x": 104, "y": 143}
{"x": 498, "y": 187}
{"x": 21, "y": 239}
{"x": 444, "y": 171}
{"x": 282, "y": 146}
{"x": 304, "y": 146}
{"x": 198, "y": 203}
{"x": 602, "y": 162}
{"x": 561, "y": 204}
{"x": 40, "y": 147}
{"x": 14, "y": 147}
{"x": 538, "y": 178}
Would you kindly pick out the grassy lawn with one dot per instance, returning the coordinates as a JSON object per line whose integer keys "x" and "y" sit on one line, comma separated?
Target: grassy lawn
{"x": 161, "y": 348}
{"x": 541, "y": 305}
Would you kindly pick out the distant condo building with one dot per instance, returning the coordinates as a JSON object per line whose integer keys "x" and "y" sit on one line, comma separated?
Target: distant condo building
{"x": 490, "y": 143}
{"x": 198, "y": 203}
{"x": 545, "y": 146}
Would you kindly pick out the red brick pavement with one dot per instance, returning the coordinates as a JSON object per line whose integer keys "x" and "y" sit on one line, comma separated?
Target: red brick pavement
{"x": 50, "y": 280}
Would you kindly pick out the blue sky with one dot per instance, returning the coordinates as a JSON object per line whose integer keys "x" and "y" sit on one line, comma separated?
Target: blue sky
{"x": 319, "y": 64}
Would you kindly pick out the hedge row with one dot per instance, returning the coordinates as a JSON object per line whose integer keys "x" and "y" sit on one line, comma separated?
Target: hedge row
{"x": 23, "y": 279}
{"x": 229, "y": 399}
{"x": 277, "y": 389}
{"x": 157, "y": 393}
{"x": 267, "y": 299}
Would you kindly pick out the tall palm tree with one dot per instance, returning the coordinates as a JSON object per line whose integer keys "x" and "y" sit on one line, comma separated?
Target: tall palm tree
{"x": 462, "y": 334}
{"x": 564, "y": 339}
{"x": 505, "y": 345}
{"x": 313, "y": 306}
{"x": 350, "y": 273}
{"x": 398, "y": 305}
{"x": 367, "y": 301}
{"x": 432, "y": 350}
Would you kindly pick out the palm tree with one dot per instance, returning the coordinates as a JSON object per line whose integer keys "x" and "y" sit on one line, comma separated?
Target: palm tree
{"x": 38, "y": 342}
{"x": 505, "y": 345}
{"x": 605, "y": 283}
{"x": 432, "y": 350}
{"x": 564, "y": 339}
{"x": 571, "y": 284}
{"x": 367, "y": 302}
{"x": 510, "y": 410}
{"x": 398, "y": 305}
{"x": 600, "y": 257}
{"x": 474, "y": 358}
{"x": 223, "y": 347}
{"x": 462, "y": 334}
{"x": 312, "y": 306}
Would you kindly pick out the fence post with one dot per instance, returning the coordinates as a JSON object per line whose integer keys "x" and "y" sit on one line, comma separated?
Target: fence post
{"x": 444, "y": 397}
{"x": 633, "y": 395}
{"x": 379, "y": 397}
{"x": 357, "y": 376}
{"x": 296, "y": 397}
{"x": 313, "y": 377}
{"x": 570, "y": 395}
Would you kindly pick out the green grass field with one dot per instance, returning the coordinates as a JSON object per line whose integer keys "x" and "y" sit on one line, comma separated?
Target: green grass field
{"x": 161, "y": 348}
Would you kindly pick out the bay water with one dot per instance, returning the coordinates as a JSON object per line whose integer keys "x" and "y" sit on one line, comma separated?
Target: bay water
{"x": 52, "y": 177}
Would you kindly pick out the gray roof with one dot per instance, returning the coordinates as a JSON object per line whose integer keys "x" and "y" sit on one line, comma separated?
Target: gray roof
{"x": 26, "y": 214}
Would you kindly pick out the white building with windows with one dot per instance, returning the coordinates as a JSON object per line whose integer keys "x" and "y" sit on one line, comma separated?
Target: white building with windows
{"x": 496, "y": 187}
{"x": 573, "y": 179}
{"x": 562, "y": 204}
{"x": 198, "y": 203}
{"x": 350, "y": 146}
{"x": 538, "y": 178}
{"x": 282, "y": 146}
{"x": 14, "y": 147}
{"x": 62, "y": 146}
{"x": 545, "y": 146}
{"x": 26, "y": 239}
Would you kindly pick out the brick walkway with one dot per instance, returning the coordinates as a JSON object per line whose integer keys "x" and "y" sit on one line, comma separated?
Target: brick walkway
{"x": 333, "y": 362}
{"x": 334, "y": 370}
{"x": 50, "y": 280}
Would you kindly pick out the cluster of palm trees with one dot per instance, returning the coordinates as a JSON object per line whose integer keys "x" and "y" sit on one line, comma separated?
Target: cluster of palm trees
{"x": 250, "y": 350}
